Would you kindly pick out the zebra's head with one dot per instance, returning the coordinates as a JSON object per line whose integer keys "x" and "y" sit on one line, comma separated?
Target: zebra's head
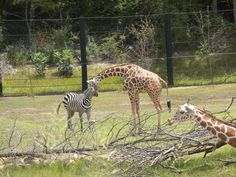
{"x": 90, "y": 92}
{"x": 95, "y": 84}
{"x": 94, "y": 91}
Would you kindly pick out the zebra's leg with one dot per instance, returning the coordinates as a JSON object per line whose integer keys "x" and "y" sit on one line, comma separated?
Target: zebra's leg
{"x": 88, "y": 118}
{"x": 81, "y": 121}
{"x": 69, "y": 116}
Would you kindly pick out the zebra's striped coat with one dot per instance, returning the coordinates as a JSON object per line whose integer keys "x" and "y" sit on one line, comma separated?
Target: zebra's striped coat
{"x": 81, "y": 103}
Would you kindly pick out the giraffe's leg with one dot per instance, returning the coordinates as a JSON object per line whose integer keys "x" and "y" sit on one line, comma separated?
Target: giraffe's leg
{"x": 156, "y": 100}
{"x": 159, "y": 110}
{"x": 133, "y": 105}
{"x": 137, "y": 110}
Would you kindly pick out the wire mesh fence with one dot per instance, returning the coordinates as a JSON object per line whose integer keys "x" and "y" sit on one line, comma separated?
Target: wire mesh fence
{"x": 202, "y": 49}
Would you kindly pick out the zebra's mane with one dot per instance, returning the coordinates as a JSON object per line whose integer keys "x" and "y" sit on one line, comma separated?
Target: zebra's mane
{"x": 86, "y": 92}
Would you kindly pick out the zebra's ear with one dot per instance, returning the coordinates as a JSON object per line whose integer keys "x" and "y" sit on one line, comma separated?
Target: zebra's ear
{"x": 93, "y": 82}
{"x": 89, "y": 82}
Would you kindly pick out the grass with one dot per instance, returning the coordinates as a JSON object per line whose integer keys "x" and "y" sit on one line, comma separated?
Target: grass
{"x": 22, "y": 81}
{"x": 38, "y": 114}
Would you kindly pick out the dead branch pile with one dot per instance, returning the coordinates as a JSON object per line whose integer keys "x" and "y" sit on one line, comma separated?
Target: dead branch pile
{"x": 152, "y": 147}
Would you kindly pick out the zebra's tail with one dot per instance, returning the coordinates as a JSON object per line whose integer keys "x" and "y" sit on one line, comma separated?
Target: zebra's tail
{"x": 168, "y": 101}
{"x": 58, "y": 108}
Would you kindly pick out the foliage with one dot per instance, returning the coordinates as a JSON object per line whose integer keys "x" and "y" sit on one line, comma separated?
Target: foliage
{"x": 1, "y": 37}
{"x": 39, "y": 60}
{"x": 42, "y": 41}
{"x": 18, "y": 54}
{"x": 93, "y": 50}
{"x": 60, "y": 37}
{"x": 143, "y": 48}
{"x": 4, "y": 66}
{"x": 111, "y": 48}
{"x": 213, "y": 39}
{"x": 64, "y": 60}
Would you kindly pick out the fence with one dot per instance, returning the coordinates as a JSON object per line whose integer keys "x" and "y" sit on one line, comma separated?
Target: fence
{"x": 191, "y": 48}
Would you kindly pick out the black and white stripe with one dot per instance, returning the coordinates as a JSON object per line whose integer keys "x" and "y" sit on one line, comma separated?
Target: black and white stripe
{"x": 81, "y": 103}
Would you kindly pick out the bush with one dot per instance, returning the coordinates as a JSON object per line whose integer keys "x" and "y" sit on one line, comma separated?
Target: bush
{"x": 60, "y": 37}
{"x": 18, "y": 54}
{"x": 39, "y": 60}
{"x": 111, "y": 48}
{"x": 64, "y": 59}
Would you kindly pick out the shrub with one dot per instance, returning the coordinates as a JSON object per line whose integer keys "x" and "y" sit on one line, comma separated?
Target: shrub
{"x": 64, "y": 59}
{"x": 18, "y": 54}
{"x": 4, "y": 65}
{"x": 60, "y": 37}
{"x": 39, "y": 60}
{"x": 111, "y": 48}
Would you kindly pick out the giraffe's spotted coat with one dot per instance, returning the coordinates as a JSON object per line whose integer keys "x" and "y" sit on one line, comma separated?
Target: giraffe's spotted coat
{"x": 136, "y": 80}
{"x": 219, "y": 128}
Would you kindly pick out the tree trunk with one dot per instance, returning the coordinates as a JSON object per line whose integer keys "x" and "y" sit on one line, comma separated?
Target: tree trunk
{"x": 234, "y": 5}
{"x": 2, "y": 5}
{"x": 214, "y": 6}
{"x": 29, "y": 15}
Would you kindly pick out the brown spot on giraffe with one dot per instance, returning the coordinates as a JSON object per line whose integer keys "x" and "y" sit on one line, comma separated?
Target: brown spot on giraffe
{"x": 230, "y": 131}
{"x": 133, "y": 80}
{"x": 209, "y": 124}
{"x": 222, "y": 136}
{"x": 203, "y": 124}
{"x": 213, "y": 131}
{"x": 222, "y": 128}
{"x": 199, "y": 119}
{"x": 232, "y": 142}
{"x": 217, "y": 128}
{"x": 209, "y": 128}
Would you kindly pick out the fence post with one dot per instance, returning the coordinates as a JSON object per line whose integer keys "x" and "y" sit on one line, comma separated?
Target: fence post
{"x": 2, "y": 3}
{"x": 168, "y": 40}
{"x": 83, "y": 52}
{"x": 1, "y": 94}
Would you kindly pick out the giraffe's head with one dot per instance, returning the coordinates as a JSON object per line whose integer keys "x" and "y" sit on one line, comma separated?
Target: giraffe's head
{"x": 183, "y": 113}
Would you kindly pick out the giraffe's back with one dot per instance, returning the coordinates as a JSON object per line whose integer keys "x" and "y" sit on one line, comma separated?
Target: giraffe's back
{"x": 142, "y": 80}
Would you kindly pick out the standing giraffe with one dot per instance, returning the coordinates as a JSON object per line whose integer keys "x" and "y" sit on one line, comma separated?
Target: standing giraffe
{"x": 136, "y": 79}
{"x": 223, "y": 130}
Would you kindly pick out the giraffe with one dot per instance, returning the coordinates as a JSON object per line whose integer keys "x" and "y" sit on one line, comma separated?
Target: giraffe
{"x": 136, "y": 80}
{"x": 223, "y": 130}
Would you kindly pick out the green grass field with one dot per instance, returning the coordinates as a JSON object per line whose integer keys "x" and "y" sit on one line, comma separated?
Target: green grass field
{"x": 37, "y": 115}
{"x": 22, "y": 81}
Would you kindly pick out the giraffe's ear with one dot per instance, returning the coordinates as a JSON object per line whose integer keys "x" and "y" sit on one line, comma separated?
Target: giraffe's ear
{"x": 188, "y": 101}
{"x": 189, "y": 108}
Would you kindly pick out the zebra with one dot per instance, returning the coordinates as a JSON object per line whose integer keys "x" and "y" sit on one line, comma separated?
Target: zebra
{"x": 75, "y": 102}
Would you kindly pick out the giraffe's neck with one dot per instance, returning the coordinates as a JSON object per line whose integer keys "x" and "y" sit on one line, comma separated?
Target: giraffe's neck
{"x": 120, "y": 71}
{"x": 225, "y": 132}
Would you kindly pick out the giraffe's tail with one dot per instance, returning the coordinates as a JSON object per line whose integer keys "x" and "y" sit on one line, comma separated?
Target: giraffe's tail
{"x": 168, "y": 101}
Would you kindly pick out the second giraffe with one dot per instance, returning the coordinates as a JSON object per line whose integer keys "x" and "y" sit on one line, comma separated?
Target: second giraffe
{"x": 136, "y": 79}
